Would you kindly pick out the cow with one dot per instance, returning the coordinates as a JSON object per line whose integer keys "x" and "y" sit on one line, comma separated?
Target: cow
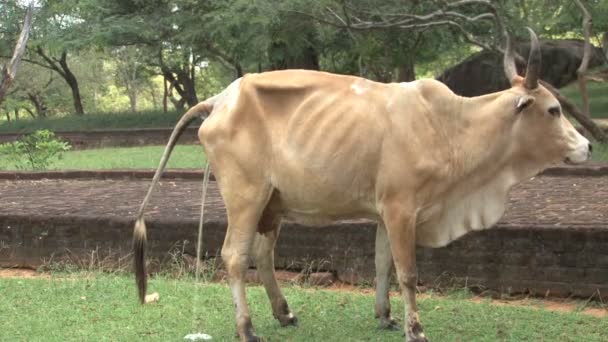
{"x": 316, "y": 147}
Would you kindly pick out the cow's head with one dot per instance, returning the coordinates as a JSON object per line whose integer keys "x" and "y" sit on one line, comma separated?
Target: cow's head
{"x": 542, "y": 132}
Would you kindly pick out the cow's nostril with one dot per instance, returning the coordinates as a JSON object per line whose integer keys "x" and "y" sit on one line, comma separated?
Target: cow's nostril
{"x": 590, "y": 148}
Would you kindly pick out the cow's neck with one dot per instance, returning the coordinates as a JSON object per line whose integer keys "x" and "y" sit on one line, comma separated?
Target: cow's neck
{"x": 481, "y": 172}
{"x": 480, "y": 139}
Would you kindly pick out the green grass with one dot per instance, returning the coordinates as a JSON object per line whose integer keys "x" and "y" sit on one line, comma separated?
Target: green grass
{"x": 598, "y": 97}
{"x": 104, "y": 308}
{"x": 94, "y": 121}
{"x": 183, "y": 156}
{"x": 600, "y": 152}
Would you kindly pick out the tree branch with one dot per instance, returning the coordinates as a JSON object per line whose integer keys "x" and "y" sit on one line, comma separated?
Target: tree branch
{"x": 51, "y": 64}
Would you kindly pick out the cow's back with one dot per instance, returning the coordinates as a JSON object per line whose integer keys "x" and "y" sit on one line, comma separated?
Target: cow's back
{"x": 317, "y": 137}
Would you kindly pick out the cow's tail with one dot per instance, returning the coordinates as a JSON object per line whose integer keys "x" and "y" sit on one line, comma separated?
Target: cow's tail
{"x": 139, "y": 233}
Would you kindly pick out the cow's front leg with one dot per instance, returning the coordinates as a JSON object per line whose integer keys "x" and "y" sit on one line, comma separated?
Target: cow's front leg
{"x": 384, "y": 265}
{"x": 401, "y": 227}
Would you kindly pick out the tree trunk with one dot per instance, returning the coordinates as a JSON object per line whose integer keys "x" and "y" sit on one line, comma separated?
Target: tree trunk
{"x": 153, "y": 94}
{"x": 406, "y": 71}
{"x": 178, "y": 104}
{"x": 187, "y": 81}
{"x": 38, "y": 102}
{"x": 133, "y": 102}
{"x": 9, "y": 72}
{"x": 605, "y": 45}
{"x": 582, "y": 70}
{"x": 8, "y": 116}
{"x": 132, "y": 94}
{"x": 165, "y": 95}
{"x": 308, "y": 58}
{"x": 70, "y": 78}
{"x": 16, "y": 114}
{"x": 30, "y": 113}
{"x": 183, "y": 84}
{"x": 61, "y": 67}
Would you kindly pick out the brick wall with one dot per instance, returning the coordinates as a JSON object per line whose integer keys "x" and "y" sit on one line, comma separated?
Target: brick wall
{"x": 562, "y": 261}
{"x": 117, "y": 137}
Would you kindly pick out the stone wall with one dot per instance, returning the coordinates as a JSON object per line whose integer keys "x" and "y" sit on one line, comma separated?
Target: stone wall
{"x": 543, "y": 260}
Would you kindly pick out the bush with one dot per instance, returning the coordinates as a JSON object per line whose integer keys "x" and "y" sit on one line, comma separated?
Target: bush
{"x": 35, "y": 151}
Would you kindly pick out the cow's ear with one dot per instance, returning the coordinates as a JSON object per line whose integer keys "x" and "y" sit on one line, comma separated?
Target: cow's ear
{"x": 523, "y": 102}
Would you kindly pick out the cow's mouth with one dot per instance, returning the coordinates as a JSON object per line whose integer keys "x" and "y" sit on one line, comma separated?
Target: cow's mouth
{"x": 572, "y": 162}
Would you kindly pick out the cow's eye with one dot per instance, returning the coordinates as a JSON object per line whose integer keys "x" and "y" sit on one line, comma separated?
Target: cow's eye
{"x": 555, "y": 111}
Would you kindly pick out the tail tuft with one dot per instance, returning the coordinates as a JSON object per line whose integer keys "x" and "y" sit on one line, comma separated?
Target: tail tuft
{"x": 139, "y": 258}
{"x": 139, "y": 233}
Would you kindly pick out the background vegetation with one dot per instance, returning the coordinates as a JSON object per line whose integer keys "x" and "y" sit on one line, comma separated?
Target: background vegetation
{"x": 101, "y": 56}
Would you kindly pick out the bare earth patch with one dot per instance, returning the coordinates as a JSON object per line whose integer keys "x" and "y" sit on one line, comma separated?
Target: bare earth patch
{"x": 21, "y": 273}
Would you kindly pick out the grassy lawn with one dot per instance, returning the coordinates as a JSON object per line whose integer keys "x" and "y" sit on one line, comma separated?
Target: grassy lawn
{"x": 183, "y": 156}
{"x": 94, "y": 121}
{"x": 598, "y": 97}
{"x": 104, "y": 308}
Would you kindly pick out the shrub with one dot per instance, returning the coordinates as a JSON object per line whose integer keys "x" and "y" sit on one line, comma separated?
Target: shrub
{"x": 34, "y": 151}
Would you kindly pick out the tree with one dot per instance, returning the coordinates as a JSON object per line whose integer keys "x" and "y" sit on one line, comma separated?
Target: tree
{"x": 10, "y": 71}
{"x": 61, "y": 67}
{"x": 131, "y": 72}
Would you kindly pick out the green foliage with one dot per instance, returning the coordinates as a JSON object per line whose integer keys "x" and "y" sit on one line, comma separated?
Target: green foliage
{"x": 117, "y": 49}
{"x": 35, "y": 151}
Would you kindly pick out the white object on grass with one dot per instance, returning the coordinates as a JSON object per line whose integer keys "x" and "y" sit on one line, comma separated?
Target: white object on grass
{"x": 197, "y": 337}
{"x": 151, "y": 298}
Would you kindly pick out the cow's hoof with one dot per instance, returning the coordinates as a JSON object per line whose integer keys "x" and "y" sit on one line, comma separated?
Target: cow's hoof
{"x": 245, "y": 331}
{"x": 415, "y": 333}
{"x": 287, "y": 320}
{"x": 388, "y": 323}
{"x": 251, "y": 337}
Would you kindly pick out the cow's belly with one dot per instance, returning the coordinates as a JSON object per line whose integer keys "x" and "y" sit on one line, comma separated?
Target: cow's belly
{"x": 320, "y": 200}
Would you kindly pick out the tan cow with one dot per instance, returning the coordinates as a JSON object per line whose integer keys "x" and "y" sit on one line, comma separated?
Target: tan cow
{"x": 315, "y": 147}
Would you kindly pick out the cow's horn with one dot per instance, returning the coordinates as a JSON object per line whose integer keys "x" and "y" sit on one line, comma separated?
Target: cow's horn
{"x": 509, "y": 59}
{"x": 534, "y": 61}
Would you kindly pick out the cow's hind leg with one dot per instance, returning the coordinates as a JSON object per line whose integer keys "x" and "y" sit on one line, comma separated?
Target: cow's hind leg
{"x": 401, "y": 227}
{"x": 243, "y": 216}
{"x": 384, "y": 263}
{"x": 263, "y": 251}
